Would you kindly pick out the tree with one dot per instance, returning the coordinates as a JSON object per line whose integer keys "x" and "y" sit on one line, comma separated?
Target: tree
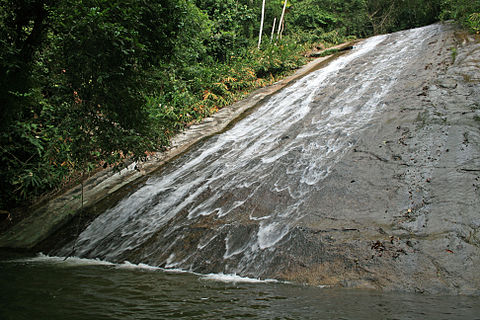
{"x": 232, "y": 26}
{"x": 281, "y": 22}
{"x": 22, "y": 30}
{"x": 388, "y": 16}
{"x": 464, "y": 11}
{"x": 261, "y": 25}
{"x": 75, "y": 76}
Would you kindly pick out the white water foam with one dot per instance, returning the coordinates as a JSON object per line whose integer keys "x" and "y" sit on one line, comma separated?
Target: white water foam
{"x": 82, "y": 262}
{"x": 264, "y": 168}
{"x": 233, "y": 278}
{"x": 269, "y": 234}
{"x": 62, "y": 261}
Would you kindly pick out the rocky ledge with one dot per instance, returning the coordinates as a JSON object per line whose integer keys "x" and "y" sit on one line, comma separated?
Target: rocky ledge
{"x": 401, "y": 211}
{"x": 107, "y": 186}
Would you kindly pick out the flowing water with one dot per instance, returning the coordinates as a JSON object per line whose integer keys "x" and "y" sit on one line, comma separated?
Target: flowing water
{"x": 247, "y": 187}
{"x": 201, "y": 233}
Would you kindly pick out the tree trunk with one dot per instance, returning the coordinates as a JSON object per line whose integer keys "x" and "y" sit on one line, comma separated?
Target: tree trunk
{"x": 273, "y": 29}
{"x": 261, "y": 25}
{"x": 281, "y": 18}
{"x": 283, "y": 28}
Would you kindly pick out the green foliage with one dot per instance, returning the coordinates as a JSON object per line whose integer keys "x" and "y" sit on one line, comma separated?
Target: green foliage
{"x": 275, "y": 59}
{"x": 88, "y": 83}
{"x": 21, "y": 32}
{"x": 454, "y": 53}
{"x": 232, "y": 26}
{"x": 389, "y": 16}
{"x": 75, "y": 84}
{"x": 198, "y": 92}
{"x": 314, "y": 19}
{"x": 311, "y": 15}
{"x": 474, "y": 22}
{"x": 466, "y": 12}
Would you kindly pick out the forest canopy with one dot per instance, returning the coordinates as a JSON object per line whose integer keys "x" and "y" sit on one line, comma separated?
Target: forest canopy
{"x": 89, "y": 83}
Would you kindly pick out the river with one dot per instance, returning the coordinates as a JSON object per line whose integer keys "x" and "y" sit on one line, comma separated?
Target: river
{"x": 348, "y": 187}
{"x": 51, "y": 288}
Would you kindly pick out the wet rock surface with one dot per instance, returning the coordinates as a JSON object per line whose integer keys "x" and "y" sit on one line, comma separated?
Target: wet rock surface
{"x": 57, "y": 220}
{"x": 402, "y": 210}
{"x": 365, "y": 174}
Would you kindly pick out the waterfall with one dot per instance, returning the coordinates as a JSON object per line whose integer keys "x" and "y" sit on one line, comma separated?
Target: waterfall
{"x": 229, "y": 204}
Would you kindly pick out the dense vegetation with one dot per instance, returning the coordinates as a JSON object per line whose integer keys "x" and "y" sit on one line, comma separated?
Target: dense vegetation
{"x": 87, "y": 83}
